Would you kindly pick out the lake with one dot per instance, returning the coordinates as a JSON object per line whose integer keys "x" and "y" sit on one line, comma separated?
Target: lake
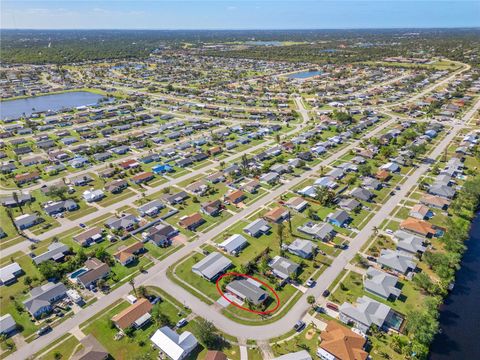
{"x": 12, "y": 109}
{"x": 264, "y": 43}
{"x": 304, "y": 74}
{"x": 460, "y": 315}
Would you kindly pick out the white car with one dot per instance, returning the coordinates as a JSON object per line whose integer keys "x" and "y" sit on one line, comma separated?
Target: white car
{"x": 181, "y": 323}
{"x": 388, "y": 231}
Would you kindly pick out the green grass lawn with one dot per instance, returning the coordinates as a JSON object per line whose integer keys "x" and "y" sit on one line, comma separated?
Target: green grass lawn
{"x": 67, "y": 344}
{"x": 17, "y": 292}
{"x": 306, "y": 340}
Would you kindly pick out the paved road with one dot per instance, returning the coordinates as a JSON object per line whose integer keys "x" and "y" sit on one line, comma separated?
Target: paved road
{"x": 157, "y": 274}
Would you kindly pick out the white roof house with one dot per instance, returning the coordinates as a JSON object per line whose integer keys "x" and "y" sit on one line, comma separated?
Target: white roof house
{"x": 233, "y": 244}
{"x": 9, "y": 273}
{"x": 175, "y": 346}
{"x": 7, "y": 324}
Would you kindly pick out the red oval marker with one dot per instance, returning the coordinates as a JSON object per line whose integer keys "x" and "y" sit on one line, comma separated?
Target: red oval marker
{"x": 242, "y": 307}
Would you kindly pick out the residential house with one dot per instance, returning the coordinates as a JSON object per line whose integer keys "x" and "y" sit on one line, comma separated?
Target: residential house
{"x": 116, "y": 186}
{"x": 143, "y": 177}
{"x": 321, "y": 231}
{"x": 409, "y": 243}
{"x": 127, "y": 222}
{"x": 396, "y": 260}
{"x": 270, "y": 178}
{"x": 340, "y": 343}
{"x": 349, "y": 204}
{"x": 283, "y": 268}
{"x": 247, "y": 290}
{"x": 176, "y": 198}
{"x": 198, "y": 187}
{"x": 93, "y": 195}
{"x": 127, "y": 255}
{"x": 26, "y": 221}
{"x": 135, "y": 316}
{"x": 56, "y": 252}
{"x": 56, "y": 207}
{"x": 435, "y": 201}
{"x": 297, "y": 203}
{"x": 151, "y": 208}
{"x": 191, "y": 222}
{"x": 381, "y": 284}
{"x": 43, "y": 297}
{"x": 420, "y": 227}
{"x": 90, "y": 349}
{"x": 303, "y": 248}
{"x": 257, "y": 228}
{"x": 161, "y": 234}
{"x": 95, "y": 270}
{"x": 298, "y": 355}
{"x": 277, "y": 215}
{"x": 251, "y": 186}
{"x": 420, "y": 211}
{"x": 361, "y": 194}
{"x": 90, "y": 236}
{"x": 211, "y": 266}
{"x": 212, "y": 208}
{"x": 235, "y": 197}
{"x": 234, "y": 244}
{"x": 339, "y": 218}
{"x": 173, "y": 345}
{"x": 368, "y": 312}
{"x": 9, "y": 273}
{"x": 7, "y": 325}
{"x": 444, "y": 191}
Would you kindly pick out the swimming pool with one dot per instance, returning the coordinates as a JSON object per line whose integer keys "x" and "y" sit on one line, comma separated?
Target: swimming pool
{"x": 77, "y": 273}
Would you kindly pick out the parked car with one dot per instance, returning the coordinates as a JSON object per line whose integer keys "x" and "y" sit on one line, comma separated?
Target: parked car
{"x": 310, "y": 283}
{"x": 43, "y": 330}
{"x": 325, "y": 293}
{"x": 181, "y": 323}
{"x": 299, "y": 325}
{"x": 82, "y": 225}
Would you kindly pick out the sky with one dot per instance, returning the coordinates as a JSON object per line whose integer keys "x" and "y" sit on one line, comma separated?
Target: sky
{"x": 238, "y": 14}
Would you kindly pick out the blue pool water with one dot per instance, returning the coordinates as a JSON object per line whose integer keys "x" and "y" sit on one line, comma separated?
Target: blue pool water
{"x": 77, "y": 273}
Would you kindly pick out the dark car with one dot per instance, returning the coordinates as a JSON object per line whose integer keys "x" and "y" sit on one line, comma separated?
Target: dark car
{"x": 43, "y": 330}
{"x": 299, "y": 325}
{"x": 325, "y": 293}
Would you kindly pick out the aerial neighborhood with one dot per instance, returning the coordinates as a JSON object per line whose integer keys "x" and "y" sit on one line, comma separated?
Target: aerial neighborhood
{"x": 207, "y": 201}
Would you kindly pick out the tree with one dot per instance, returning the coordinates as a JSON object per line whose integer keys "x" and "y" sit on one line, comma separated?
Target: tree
{"x": 208, "y": 334}
{"x": 15, "y": 198}
{"x": 280, "y": 234}
{"x": 311, "y": 299}
{"x": 142, "y": 290}
{"x": 132, "y": 284}
{"x": 57, "y": 192}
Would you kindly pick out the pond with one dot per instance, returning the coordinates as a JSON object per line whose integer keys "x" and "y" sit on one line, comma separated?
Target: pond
{"x": 13, "y": 109}
{"x": 304, "y": 74}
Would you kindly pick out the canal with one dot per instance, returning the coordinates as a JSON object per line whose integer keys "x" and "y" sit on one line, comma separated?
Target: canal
{"x": 460, "y": 315}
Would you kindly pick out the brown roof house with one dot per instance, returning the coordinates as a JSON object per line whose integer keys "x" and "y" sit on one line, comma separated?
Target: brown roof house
{"x": 128, "y": 254}
{"x": 143, "y": 177}
{"x": 91, "y": 350}
{"x": 95, "y": 270}
{"x": 435, "y": 201}
{"x": 417, "y": 226}
{"x": 277, "y": 214}
{"x": 89, "y": 236}
{"x": 215, "y": 355}
{"x": 136, "y": 315}
{"x": 234, "y": 197}
{"x": 212, "y": 208}
{"x": 191, "y": 222}
{"x": 339, "y": 342}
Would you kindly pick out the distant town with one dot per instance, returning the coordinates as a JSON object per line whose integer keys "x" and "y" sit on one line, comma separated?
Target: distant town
{"x": 234, "y": 196}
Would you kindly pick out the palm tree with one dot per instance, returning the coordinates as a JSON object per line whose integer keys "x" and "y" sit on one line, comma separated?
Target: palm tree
{"x": 375, "y": 230}
{"x": 15, "y": 198}
{"x": 132, "y": 283}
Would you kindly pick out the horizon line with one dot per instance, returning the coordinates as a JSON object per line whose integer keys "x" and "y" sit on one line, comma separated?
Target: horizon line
{"x": 250, "y": 29}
